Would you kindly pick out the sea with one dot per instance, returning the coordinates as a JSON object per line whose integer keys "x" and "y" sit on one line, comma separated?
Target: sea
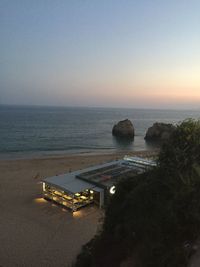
{"x": 35, "y": 131}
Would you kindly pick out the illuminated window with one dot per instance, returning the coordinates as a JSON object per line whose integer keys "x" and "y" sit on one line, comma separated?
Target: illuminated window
{"x": 43, "y": 187}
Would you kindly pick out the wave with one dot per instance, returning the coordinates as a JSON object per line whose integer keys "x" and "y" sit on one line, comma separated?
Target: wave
{"x": 57, "y": 149}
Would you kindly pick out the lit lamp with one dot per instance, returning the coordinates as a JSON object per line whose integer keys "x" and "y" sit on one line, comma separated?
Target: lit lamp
{"x": 112, "y": 189}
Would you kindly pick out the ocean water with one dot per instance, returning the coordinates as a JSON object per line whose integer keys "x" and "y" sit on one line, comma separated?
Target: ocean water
{"x": 39, "y": 131}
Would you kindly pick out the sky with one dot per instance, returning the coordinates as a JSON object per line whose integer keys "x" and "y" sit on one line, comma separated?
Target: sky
{"x": 108, "y": 53}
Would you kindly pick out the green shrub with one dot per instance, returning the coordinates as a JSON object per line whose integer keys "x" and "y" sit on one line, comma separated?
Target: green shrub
{"x": 156, "y": 215}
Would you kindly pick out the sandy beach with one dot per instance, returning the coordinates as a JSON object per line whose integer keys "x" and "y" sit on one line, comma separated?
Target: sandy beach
{"x": 35, "y": 232}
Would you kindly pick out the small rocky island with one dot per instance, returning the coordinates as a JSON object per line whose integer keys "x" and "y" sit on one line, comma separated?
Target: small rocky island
{"x": 159, "y": 132}
{"x": 123, "y": 129}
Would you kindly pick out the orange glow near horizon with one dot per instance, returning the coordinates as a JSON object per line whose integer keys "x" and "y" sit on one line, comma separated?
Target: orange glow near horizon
{"x": 150, "y": 87}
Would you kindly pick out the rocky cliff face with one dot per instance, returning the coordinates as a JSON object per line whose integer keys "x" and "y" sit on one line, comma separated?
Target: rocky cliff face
{"x": 124, "y": 129}
{"x": 159, "y": 132}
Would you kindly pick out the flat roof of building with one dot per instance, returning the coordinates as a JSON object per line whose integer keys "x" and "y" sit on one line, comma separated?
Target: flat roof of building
{"x": 106, "y": 176}
{"x": 99, "y": 176}
{"x": 71, "y": 183}
{"x": 68, "y": 183}
{"x": 141, "y": 161}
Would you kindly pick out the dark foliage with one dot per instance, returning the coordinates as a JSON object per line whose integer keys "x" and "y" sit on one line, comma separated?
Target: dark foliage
{"x": 154, "y": 216}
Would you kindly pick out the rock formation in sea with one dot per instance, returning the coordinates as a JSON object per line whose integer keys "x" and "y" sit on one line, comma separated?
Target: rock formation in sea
{"x": 159, "y": 132}
{"x": 123, "y": 129}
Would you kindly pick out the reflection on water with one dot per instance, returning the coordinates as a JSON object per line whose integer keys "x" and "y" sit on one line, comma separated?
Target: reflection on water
{"x": 134, "y": 144}
{"x": 152, "y": 144}
{"x": 123, "y": 143}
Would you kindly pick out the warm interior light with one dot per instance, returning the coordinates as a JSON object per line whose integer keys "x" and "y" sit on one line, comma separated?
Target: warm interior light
{"x": 77, "y": 214}
{"x": 58, "y": 193}
{"x": 43, "y": 186}
{"x": 40, "y": 200}
{"x": 91, "y": 191}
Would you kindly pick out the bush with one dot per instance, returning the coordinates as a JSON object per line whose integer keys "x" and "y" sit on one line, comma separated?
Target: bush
{"x": 156, "y": 214}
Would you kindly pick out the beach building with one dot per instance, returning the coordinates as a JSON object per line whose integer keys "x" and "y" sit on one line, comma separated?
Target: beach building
{"x": 92, "y": 185}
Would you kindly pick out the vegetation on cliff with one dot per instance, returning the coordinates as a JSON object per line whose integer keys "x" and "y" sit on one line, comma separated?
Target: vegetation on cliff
{"x": 153, "y": 219}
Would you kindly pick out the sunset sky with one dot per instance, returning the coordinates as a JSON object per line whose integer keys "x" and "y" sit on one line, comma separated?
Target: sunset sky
{"x": 140, "y": 54}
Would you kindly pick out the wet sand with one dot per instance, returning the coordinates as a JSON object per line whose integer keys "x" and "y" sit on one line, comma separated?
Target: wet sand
{"x": 35, "y": 232}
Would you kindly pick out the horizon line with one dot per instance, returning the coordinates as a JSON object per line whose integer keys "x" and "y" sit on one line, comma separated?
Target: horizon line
{"x": 100, "y": 107}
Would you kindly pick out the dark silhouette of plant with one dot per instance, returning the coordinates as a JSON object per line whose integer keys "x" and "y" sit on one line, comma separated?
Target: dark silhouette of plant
{"x": 181, "y": 155}
{"x": 154, "y": 218}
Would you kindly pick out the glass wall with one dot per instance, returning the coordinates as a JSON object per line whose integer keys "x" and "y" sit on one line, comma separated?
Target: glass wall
{"x": 69, "y": 200}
